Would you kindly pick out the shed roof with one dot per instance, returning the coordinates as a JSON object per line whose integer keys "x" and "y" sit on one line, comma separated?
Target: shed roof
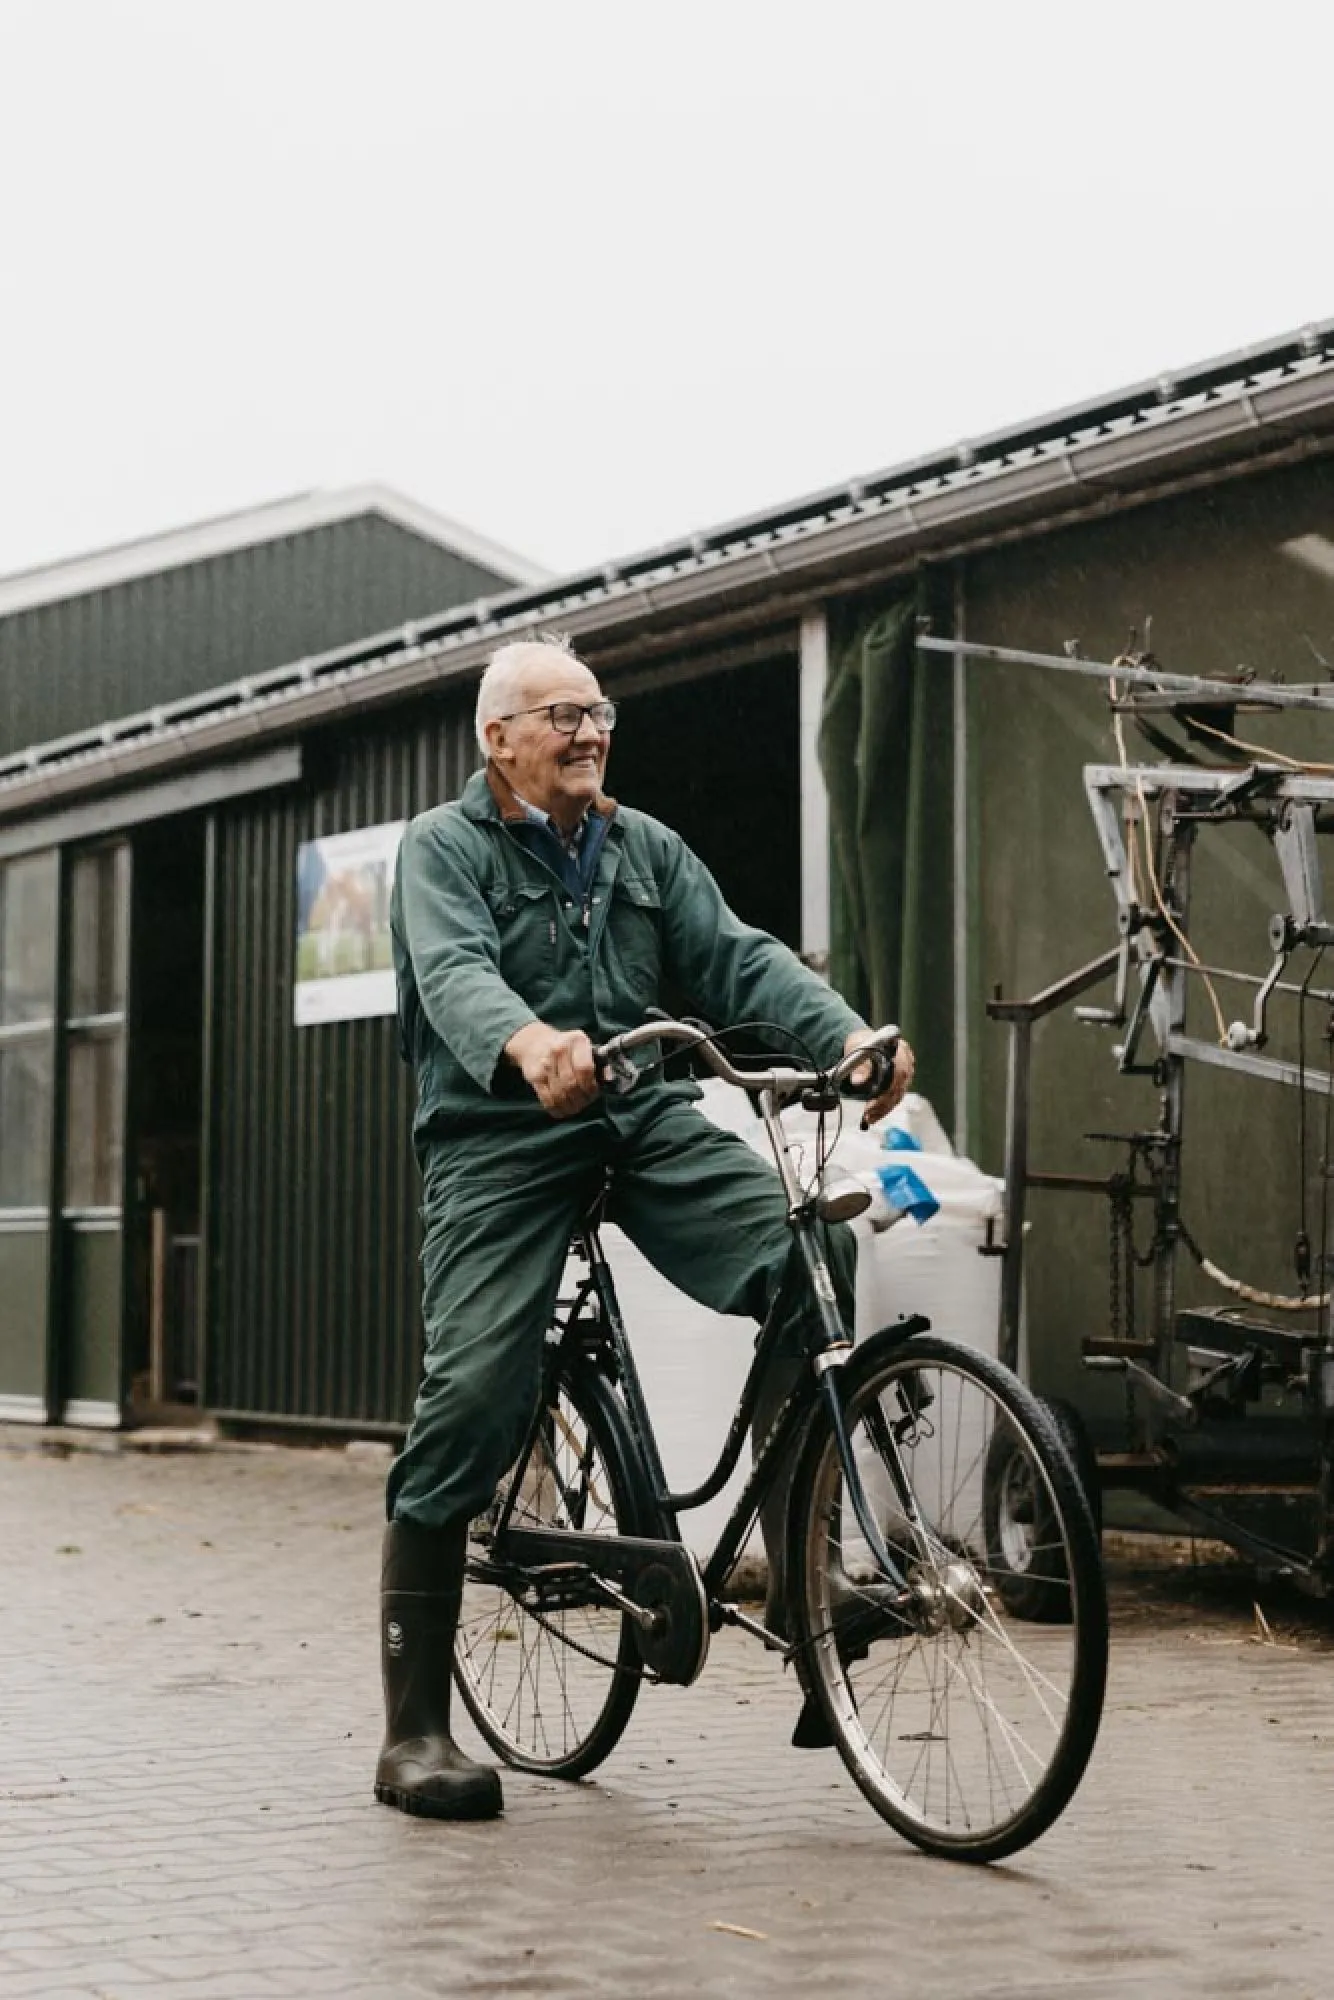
{"x": 172, "y": 616}
{"x": 1256, "y": 407}
{"x": 152, "y": 555}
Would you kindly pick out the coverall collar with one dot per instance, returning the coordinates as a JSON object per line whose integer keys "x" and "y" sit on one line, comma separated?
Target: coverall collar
{"x": 489, "y": 795}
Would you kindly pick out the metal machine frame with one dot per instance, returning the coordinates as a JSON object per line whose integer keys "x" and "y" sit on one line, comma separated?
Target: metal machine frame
{"x": 1244, "y": 1450}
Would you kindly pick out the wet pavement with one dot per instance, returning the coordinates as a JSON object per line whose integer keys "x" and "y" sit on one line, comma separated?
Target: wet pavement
{"x": 189, "y": 1717}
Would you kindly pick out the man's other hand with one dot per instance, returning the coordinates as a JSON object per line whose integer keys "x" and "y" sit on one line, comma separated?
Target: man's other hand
{"x": 558, "y": 1063}
{"x": 900, "y": 1081}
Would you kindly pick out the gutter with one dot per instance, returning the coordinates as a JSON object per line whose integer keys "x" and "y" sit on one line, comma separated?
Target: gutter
{"x": 1110, "y": 455}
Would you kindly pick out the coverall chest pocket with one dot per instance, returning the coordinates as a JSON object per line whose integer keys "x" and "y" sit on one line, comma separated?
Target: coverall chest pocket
{"x": 525, "y": 920}
{"x": 635, "y": 925}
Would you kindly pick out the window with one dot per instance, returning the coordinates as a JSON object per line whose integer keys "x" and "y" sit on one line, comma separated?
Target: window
{"x": 28, "y": 890}
{"x": 99, "y": 896}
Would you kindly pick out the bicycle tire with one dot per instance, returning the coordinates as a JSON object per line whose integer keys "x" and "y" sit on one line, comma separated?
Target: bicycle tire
{"x": 967, "y": 1733}
{"x": 553, "y": 1692}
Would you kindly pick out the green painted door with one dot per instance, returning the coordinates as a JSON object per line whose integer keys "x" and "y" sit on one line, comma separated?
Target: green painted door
{"x": 29, "y": 895}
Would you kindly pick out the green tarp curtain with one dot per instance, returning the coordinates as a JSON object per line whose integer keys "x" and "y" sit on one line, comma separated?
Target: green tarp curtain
{"x": 886, "y": 748}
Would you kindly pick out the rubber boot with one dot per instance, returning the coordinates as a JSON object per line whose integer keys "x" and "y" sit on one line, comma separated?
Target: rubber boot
{"x": 421, "y": 1768}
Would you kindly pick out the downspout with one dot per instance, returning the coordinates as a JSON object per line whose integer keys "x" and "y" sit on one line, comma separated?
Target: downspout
{"x": 813, "y": 798}
{"x": 960, "y": 898}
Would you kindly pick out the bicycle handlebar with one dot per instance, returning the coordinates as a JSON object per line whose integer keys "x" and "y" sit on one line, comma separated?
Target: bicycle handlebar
{"x": 617, "y": 1073}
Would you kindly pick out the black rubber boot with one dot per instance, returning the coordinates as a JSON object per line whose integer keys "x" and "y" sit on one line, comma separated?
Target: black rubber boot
{"x": 421, "y": 1768}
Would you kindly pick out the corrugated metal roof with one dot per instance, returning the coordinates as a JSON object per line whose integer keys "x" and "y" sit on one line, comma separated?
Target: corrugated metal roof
{"x": 273, "y": 521}
{"x": 1257, "y": 404}
{"x": 180, "y": 615}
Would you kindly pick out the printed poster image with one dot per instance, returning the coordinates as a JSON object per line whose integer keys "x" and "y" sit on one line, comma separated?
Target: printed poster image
{"x": 344, "y": 969}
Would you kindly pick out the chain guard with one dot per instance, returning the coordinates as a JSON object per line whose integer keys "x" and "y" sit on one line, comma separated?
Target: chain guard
{"x": 661, "y": 1576}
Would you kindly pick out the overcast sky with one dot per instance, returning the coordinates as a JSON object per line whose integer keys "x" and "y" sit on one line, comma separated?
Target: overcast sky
{"x": 586, "y": 275}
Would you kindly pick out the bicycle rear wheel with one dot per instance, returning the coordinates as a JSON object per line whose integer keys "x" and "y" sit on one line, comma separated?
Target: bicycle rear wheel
{"x": 551, "y": 1685}
{"x": 967, "y": 1729}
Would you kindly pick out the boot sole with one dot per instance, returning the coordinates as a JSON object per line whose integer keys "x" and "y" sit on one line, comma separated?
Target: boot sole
{"x": 482, "y": 1805}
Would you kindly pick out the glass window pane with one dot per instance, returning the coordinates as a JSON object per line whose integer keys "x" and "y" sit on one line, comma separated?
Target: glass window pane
{"x": 25, "y": 1121}
{"x": 94, "y": 1134}
{"x": 27, "y": 939}
{"x": 99, "y": 908}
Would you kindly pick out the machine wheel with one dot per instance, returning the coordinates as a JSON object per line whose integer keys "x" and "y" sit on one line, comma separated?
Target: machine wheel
{"x": 1074, "y": 1435}
{"x": 1025, "y": 1551}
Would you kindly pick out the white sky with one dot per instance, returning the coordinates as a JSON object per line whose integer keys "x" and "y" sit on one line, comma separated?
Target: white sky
{"x": 587, "y": 274}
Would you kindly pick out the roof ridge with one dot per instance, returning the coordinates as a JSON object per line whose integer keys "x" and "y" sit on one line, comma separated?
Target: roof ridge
{"x": 104, "y": 550}
{"x": 269, "y": 520}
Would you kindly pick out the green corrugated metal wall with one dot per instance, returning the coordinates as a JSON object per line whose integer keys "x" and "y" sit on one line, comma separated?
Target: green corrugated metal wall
{"x": 109, "y": 653}
{"x": 313, "y": 1295}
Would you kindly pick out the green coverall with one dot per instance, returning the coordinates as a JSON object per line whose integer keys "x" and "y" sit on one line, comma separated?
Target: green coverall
{"x": 487, "y": 937}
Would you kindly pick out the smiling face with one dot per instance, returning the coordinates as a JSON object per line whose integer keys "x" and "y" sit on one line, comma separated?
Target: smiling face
{"x": 561, "y": 774}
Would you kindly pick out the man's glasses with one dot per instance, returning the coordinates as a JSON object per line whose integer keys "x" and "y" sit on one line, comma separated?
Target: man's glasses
{"x": 566, "y": 716}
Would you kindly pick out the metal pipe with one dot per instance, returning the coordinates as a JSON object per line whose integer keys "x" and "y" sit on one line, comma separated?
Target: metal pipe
{"x": 962, "y": 967}
{"x": 1058, "y": 993}
{"x": 1016, "y": 1190}
{"x": 1250, "y": 978}
{"x": 1269, "y": 1068}
{"x": 1225, "y": 693}
{"x": 1167, "y": 1206}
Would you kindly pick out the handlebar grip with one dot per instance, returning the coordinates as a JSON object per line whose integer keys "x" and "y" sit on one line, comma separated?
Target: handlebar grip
{"x": 882, "y": 1069}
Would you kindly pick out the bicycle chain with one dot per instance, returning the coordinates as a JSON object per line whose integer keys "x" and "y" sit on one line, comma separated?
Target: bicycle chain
{"x": 599, "y": 1659}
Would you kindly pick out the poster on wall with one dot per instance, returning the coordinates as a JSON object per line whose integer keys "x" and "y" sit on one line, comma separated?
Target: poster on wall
{"x": 344, "y": 969}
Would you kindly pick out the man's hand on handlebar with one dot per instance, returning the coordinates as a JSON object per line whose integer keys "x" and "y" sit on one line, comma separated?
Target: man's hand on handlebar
{"x": 899, "y": 1082}
{"x": 558, "y": 1063}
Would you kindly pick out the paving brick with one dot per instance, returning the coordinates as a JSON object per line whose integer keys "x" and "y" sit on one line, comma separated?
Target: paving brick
{"x": 189, "y": 1719}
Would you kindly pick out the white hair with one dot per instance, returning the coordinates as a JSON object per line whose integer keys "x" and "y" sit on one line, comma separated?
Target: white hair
{"x": 501, "y": 690}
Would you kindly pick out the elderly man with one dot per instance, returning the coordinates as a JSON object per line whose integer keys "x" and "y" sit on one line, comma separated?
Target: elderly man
{"x": 531, "y": 918}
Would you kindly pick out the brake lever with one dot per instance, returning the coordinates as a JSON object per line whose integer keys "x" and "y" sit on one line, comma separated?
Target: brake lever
{"x": 618, "y": 1074}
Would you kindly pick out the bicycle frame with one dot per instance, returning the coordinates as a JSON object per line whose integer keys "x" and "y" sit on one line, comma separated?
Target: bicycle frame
{"x": 829, "y": 1341}
{"x": 784, "y": 1434}
{"x": 830, "y": 1344}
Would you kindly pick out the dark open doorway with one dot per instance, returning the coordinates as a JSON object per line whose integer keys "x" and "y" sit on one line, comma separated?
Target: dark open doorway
{"x": 166, "y": 1113}
{"x": 717, "y": 758}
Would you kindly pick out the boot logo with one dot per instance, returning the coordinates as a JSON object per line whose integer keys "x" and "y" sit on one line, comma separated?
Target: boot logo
{"x": 393, "y": 1633}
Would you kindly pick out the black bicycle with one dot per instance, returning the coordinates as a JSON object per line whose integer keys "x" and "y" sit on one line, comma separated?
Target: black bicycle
{"x": 966, "y": 1723}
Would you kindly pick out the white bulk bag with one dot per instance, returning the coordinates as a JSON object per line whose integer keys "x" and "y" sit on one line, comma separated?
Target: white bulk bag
{"x": 693, "y": 1361}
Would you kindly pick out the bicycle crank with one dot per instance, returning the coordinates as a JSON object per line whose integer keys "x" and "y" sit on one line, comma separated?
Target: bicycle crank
{"x": 674, "y": 1644}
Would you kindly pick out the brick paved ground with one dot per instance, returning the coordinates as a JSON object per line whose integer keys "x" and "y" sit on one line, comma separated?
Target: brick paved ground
{"x": 189, "y": 1719}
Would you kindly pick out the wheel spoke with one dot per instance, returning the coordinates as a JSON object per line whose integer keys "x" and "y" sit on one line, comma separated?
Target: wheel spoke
{"x": 551, "y": 1688}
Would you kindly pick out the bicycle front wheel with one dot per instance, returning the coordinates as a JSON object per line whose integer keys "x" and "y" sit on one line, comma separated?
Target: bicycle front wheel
{"x": 550, "y": 1680}
{"x": 966, "y": 1728}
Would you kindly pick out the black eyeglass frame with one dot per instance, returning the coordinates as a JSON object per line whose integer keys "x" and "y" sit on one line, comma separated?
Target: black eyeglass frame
{"x": 591, "y": 709}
